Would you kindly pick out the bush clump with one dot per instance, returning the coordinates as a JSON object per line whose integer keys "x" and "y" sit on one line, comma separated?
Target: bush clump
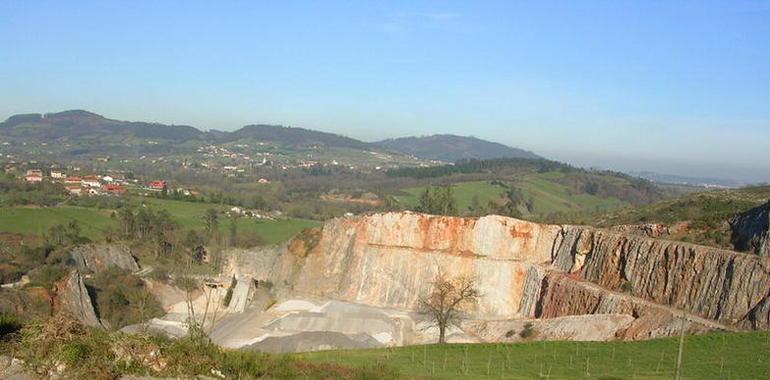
{"x": 122, "y": 298}
{"x": 528, "y": 331}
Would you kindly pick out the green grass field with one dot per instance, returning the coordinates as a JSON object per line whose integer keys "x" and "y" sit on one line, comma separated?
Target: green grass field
{"x": 94, "y": 222}
{"x": 464, "y": 192}
{"x": 37, "y": 220}
{"x": 551, "y": 197}
{"x": 548, "y": 196}
{"x": 189, "y": 215}
{"x": 714, "y": 356}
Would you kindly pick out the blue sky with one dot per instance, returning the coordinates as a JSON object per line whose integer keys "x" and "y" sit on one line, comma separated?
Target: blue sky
{"x": 673, "y": 86}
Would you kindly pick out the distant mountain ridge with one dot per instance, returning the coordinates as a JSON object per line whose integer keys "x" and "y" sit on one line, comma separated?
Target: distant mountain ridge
{"x": 79, "y": 124}
{"x": 84, "y": 127}
{"x": 298, "y": 136}
{"x": 452, "y": 148}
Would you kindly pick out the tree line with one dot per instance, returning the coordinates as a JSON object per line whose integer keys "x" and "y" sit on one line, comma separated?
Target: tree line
{"x": 479, "y": 166}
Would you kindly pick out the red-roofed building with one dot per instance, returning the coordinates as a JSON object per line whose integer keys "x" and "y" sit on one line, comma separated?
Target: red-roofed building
{"x": 158, "y": 185}
{"x": 74, "y": 189}
{"x": 34, "y": 176}
{"x": 73, "y": 181}
{"x": 113, "y": 188}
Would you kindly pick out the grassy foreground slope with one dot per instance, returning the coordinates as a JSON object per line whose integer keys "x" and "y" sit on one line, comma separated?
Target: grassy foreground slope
{"x": 714, "y": 356}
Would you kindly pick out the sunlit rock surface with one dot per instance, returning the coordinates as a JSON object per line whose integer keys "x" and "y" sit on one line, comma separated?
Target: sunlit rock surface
{"x": 637, "y": 287}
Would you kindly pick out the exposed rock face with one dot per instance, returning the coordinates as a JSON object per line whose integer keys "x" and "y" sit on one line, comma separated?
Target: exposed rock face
{"x": 72, "y": 297}
{"x": 523, "y": 269}
{"x": 388, "y": 260}
{"x": 97, "y": 257}
{"x": 242, "y": 295}
{"x": 574, "y": 327}
{"x": 562, "y": 295}
{"x": 751, "y": 230}
{"x": 716, "y": 284}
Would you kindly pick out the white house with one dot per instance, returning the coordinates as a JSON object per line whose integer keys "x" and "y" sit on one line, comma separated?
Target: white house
{"x": 91, "y": 181}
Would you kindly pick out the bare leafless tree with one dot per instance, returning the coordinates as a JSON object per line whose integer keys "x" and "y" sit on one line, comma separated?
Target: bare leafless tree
{"x": 447, "y": 297}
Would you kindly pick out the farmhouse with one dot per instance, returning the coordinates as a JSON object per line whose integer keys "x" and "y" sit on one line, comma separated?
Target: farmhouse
{"x": 71, "y": 181}
{"x": 111, "y": 188}
{"x": 158, "y": 185}
{"x": 34, "y": 175}
{"x": 91, "y": 181}
{"x": 74, "y": 189}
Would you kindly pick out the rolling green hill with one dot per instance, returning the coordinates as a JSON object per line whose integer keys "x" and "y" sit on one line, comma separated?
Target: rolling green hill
{"x": 550, "y": 196}
{"x": 546, "y": 193}
{"x": 714, "y": 356}
{"x": 464, "y": 192}
{"x": 450, "y": 148}
{"x": 707, "y": 208}
{"x": 702, "y": 218}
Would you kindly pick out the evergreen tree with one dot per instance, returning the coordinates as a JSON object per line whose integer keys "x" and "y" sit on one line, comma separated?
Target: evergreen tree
{"x": 211, "y": 221}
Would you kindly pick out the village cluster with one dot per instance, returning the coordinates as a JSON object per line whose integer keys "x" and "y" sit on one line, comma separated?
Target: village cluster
{"x": 97, "y": 184}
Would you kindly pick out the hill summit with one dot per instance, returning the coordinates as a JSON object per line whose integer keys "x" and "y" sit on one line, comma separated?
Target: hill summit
{"x": 451, "y": 148}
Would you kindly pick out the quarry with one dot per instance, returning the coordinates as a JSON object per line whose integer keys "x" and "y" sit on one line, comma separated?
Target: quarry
{"x": 356, "y": 282}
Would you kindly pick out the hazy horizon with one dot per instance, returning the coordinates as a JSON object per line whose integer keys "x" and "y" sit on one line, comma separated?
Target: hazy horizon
{"x": 675, "y": 88}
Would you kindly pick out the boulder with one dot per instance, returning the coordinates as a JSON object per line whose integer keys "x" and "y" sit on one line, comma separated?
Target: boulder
{"x": 13, "y": 369}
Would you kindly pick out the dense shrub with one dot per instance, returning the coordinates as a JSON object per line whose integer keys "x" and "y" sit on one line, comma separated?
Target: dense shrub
{"x": 46, "y": 275}
{"x": 9, "y": 324}
{"x": 122, "y": 299}
{"x": 528, "y": 331}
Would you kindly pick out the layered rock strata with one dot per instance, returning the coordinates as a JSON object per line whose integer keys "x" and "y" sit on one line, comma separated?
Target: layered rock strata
{"x": 523, "y": 270}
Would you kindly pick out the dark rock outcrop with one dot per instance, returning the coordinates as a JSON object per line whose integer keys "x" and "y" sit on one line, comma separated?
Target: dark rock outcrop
{"x": 72, "y": 297}
{"x": 751, "y": 231}
{"x": 97, "y": 257}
